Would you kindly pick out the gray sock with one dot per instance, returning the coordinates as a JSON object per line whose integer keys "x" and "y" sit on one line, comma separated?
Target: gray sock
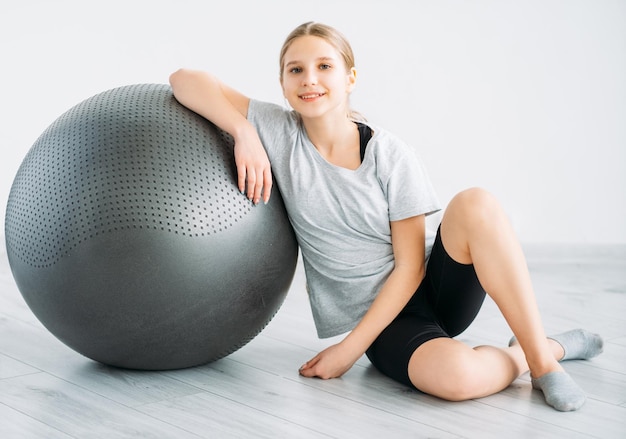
{"x": 560, "y": 391}
{"x": 578, "y": 344}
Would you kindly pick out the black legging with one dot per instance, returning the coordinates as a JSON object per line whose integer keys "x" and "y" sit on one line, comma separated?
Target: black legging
{"x": 444, "y": 305}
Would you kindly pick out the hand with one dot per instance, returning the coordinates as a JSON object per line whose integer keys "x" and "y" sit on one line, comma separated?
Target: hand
{"x": 332, "y": 362}
{"x": 253, "y": 168}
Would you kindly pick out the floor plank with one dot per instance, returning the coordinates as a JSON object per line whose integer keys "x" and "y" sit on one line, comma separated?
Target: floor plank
{"x": 12, "y": 368}
{"x": 18, "y": 425}
{"x": 78, "y": 412}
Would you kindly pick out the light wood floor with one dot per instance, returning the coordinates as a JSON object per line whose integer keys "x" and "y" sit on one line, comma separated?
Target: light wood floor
{"x": 48, "y": 391}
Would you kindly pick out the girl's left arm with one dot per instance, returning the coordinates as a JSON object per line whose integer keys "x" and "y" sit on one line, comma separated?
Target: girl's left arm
{"x": 407, "y": 238}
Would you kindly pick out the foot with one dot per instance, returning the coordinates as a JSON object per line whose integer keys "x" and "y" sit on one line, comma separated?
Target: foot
{"x": 560, "y": 391}
{"x": 577, "y": 344}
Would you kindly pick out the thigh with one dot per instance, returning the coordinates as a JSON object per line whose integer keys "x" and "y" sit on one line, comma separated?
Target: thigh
{"x": 393, "y": 348}
{"x": 454, "y": 292}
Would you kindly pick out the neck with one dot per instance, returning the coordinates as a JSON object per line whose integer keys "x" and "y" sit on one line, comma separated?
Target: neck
{"x": 328, "y": 133}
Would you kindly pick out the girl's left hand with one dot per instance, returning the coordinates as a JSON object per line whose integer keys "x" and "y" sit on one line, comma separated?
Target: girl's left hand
{"x": 332, "y": 362}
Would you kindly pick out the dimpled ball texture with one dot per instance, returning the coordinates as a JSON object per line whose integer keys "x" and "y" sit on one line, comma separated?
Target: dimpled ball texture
{"x": 130, "y": 242}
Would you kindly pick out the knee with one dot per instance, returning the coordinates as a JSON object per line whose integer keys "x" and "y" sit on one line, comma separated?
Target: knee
{"x": 475, "y": 207}
{"x": 461, "y": 384}
{"x": 455, "y": 379}
{"x": 475, "y": 201}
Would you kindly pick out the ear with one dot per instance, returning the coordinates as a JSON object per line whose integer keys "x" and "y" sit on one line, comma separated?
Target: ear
{"x": 351, "y": 80}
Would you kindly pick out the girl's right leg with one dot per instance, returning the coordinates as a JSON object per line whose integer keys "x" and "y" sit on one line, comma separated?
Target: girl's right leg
{"x": 451, "y": 370}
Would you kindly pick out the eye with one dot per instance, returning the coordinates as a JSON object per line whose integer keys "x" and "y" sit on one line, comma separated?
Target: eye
{"x": 325, "y": 66}
{"x": 295, "y": 70}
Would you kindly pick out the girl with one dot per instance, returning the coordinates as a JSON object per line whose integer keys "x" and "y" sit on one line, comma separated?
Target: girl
{"x": 357, "y": 198}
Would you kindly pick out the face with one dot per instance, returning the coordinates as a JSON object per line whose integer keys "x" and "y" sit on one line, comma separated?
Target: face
{"x": 315, "y": 80}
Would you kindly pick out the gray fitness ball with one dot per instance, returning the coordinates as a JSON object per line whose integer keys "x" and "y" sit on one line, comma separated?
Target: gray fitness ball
{"x": 130, "y": 242}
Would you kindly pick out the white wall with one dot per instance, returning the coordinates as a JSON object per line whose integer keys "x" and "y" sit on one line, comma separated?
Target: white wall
{"x": 525, "y": 98}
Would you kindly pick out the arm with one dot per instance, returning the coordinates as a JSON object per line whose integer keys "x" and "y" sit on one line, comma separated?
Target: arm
{"x": 228, "y": 109}
{"x": 407, "y": 237}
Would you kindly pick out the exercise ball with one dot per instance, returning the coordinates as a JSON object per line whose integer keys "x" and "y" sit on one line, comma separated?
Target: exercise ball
{"x": 130, "y": 242}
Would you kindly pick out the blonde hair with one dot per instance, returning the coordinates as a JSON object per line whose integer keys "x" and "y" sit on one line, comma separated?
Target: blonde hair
{"x": 330, "y": 35}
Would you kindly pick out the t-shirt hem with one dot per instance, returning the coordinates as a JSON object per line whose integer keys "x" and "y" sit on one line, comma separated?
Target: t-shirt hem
{"x": 328, "y": 333}
{"x": 408, "y": 214}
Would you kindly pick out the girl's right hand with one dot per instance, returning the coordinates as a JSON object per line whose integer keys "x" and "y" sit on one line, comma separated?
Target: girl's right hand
{"x": 227, "y": 108}
{"x": 254, "y": 173}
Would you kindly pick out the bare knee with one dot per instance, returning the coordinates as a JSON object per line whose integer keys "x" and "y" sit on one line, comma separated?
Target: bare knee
{"x": 459, "y": 384}
{"x": 464, "y": 389}
{"x": 470, "y": 215}
{"x": 450, "y": 374}
{"x": 476, "y": 206}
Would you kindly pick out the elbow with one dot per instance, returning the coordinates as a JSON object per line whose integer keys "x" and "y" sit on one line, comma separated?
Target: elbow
{"x": 416, "y": 275}
{"x": 178, "y": 78}
{"x": 412, "y": 276}
{"x": 187, "y": 83}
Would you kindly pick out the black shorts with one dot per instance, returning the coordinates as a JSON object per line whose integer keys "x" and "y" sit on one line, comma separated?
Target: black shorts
{"x": 444, "y": 305}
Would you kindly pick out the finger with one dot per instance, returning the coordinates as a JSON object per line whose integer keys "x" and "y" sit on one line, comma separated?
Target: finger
{"x": 267, "y": 183}
{"x": 251, "y": 181}
{"x": 308, "y": 372}
{"x": 241, "y": 178}
{"x": 258, "y": 187}
{"x": 309, "y": 364}
{"x": 307, "y": 369}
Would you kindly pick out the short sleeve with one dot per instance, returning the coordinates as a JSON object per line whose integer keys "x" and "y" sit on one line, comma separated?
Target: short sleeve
{"x": 408, "y": 187}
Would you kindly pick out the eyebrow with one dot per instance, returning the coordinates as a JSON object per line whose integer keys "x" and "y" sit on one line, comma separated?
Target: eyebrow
{"x": 322, "y": 58}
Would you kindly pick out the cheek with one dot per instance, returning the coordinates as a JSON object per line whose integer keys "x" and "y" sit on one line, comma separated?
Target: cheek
{"x": 287, "y": 86}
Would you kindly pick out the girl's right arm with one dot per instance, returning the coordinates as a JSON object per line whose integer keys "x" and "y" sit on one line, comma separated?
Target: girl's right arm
{"x": 228, "y": 109}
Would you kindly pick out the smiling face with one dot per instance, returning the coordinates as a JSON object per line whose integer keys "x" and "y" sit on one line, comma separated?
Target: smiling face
{"x": 315, "y": 78}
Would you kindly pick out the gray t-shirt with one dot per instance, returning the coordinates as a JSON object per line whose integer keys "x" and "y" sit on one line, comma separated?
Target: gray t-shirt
{"x": 341, "y": 216}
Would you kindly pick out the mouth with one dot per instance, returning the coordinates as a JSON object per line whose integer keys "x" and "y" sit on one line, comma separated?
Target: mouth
{"x": 311, "y": 96}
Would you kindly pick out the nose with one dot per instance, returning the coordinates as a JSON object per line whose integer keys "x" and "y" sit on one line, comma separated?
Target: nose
{"x": 309, "y": 78}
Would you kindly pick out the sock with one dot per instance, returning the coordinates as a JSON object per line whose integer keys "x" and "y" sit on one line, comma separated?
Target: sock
{"x": 578, "y": 344}
{"x": 560, "y": 391}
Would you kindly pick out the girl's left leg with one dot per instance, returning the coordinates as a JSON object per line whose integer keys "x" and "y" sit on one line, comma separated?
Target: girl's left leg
{"x": 476, "y": 231}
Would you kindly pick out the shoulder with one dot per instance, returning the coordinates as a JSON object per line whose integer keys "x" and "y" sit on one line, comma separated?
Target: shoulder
{"x": 403, "y": 177}
{"x": 276, "y": 126}
{"x": 390, "y": 151}
{"x": 260, "y": 112}
{"x": 262, "y": 106}
{"x": 396, "y": 162}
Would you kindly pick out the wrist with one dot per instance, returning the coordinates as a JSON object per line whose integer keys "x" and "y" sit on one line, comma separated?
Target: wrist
{"x": 243, "y": 132}
{"x": 355, "y": 343}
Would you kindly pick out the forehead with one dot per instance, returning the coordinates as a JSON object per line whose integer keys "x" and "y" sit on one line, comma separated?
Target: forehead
{"x": 310, "y": 47}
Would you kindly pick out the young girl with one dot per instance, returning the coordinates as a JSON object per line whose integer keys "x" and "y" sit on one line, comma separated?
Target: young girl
{"x": 357, "y": 198}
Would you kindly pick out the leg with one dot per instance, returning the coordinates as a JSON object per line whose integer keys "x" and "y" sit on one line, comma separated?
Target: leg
{"x": 451, "y": 370}
{"x": 476, "y": 231}
{"x": 445, "y": 367}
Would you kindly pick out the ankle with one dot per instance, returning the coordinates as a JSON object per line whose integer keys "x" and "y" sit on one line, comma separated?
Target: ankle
{"x": 557, "y": 349}
{"x": 541, "y": 368}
